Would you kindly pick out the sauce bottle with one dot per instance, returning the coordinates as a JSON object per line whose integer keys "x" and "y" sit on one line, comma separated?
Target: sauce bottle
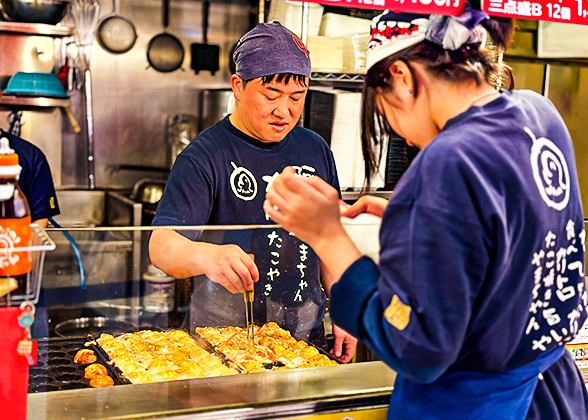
{"x": 15, "y": 220}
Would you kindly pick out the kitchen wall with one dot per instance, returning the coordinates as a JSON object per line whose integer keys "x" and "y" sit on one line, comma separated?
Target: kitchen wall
{"x": 131, "y": 101}
{"x": 567, "y": 88}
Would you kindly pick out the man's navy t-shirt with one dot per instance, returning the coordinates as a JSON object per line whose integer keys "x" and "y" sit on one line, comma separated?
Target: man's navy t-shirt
{"x": 221, "y": 179}
{"x": 35, "y": 179}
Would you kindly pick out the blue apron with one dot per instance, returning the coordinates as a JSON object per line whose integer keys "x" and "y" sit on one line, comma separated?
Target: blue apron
{"x": 471, "y": 395}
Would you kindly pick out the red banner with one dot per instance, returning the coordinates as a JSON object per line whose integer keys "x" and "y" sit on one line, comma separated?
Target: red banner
{"x": 438, "y": 7}
{"x": 565, "y": 11}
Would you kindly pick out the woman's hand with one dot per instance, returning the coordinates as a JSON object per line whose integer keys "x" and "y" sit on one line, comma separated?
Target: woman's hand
{"x": 366, "y": 204}
{"x": 308, "y": 207}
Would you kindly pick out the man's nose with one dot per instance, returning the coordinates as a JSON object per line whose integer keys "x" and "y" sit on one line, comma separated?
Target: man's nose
{"x": 281, "y": 110}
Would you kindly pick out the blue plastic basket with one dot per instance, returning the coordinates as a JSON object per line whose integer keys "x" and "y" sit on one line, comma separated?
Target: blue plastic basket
{"x": 35, "y": 84}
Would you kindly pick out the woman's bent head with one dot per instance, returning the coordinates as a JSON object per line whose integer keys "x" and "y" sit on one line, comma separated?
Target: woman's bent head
{"x": 422, "y": 69}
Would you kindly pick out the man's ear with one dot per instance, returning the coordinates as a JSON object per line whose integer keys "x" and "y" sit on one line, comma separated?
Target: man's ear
{"x": 237, "y": 86}
{"x": 403, "y": 81}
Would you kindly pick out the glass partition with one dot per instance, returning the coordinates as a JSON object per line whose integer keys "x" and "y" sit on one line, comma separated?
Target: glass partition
{"x": 103, "y": 275}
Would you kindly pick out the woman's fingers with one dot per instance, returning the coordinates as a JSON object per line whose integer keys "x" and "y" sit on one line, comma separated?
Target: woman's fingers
{"x": 360, "y": 206}
{"x": 366, "y": 204}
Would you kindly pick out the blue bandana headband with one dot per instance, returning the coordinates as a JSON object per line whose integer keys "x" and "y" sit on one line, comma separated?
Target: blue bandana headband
{"x": 393, "y": 32}
{"x": 268, "y": 49}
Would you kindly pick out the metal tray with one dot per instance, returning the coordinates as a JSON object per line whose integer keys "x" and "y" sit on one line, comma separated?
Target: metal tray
{"x": 268, "y": 366}
{"x": 117, "y": 374}
{"x": 103, "y": 358}
{"x": 56, "y": 370}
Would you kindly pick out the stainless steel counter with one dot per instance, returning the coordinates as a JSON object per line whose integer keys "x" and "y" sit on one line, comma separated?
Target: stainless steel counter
{"x": 282, "y": 393}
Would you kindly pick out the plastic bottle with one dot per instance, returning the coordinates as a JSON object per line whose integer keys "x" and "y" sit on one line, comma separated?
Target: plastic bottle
{"x": 15, "y": 220}
{"x": 160, "y": 290}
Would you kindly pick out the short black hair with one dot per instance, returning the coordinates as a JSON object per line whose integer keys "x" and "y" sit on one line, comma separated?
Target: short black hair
{"x": 281, "y": 78}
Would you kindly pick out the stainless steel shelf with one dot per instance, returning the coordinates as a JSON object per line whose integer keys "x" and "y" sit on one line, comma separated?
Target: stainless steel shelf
{"x": 35, "y": 29}
{"x": 33, "y": 102}
{"x": 354, "y": 195}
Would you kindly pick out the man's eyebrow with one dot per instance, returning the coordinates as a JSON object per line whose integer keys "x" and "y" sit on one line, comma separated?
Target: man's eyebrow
{"x": 273, "y": 89}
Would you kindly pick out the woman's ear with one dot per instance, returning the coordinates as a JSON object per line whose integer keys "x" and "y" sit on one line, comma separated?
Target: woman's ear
{"x": 402, "y": 79}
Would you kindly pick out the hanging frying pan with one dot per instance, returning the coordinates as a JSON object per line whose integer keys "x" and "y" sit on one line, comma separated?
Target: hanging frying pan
{"x": 165, "y": 52}
{"x": 116, "y": 33}
{"x": 204, "y": 56}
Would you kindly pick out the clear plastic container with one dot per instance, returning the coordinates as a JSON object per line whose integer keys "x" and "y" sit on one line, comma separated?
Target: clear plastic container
{"x": 160, "y": 291}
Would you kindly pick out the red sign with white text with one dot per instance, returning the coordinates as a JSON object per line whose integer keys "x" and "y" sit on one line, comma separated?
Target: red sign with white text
{"x": 564, "y": 11}
{"x": 438, "y": 7}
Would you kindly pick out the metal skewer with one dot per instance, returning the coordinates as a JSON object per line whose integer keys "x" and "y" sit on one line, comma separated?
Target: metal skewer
{"x": 248, "y": 297}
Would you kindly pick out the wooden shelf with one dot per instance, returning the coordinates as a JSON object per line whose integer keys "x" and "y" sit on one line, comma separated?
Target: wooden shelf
{"x": 35, "y": 29}
{"x": 40, "y": 101}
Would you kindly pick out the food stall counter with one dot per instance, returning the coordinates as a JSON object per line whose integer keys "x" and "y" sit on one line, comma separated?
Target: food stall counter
{"x": 358, "y": 389}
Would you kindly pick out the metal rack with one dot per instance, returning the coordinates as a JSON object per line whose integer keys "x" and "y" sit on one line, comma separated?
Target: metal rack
{"x": 40, "y": 243}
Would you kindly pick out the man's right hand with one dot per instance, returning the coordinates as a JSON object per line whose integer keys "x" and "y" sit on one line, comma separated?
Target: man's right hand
{"x": 179, "y": 257}
{"x": 231, "y": 267}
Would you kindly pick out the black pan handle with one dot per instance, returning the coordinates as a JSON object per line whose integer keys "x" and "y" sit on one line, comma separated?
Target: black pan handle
{"x": 165, "y": 13}
{"x": 205, "y": 10}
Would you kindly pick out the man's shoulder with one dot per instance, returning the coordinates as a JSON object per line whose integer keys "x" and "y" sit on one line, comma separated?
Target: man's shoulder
{"x": 208, "y": 140}
{"x": 25, "y": 150}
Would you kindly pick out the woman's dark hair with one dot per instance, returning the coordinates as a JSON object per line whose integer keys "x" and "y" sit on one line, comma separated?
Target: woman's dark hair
{"x": 470, "y": 62}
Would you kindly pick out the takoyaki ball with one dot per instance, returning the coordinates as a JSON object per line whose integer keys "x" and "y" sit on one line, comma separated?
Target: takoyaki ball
{"x": 308, "y": 352}
{"x": 85, "y": 356}
{"x": 101, "y": 381}
{"x": 250, "y": 366}
{"x": 94, "y": 370}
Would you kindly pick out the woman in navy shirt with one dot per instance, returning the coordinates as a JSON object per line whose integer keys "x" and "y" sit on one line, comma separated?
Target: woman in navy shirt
{"x": 480, "y": 281}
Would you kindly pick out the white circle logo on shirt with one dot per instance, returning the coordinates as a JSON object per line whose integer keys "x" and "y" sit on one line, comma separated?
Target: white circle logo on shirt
{"x": 550, "y": 171}
{"x": 243, "y": 183}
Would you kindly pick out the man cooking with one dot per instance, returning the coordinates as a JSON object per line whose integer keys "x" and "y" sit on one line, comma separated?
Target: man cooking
{"x": 221, "y": 179}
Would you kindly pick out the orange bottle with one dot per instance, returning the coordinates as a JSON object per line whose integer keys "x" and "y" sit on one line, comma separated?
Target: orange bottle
{"x": 15, "y": 219}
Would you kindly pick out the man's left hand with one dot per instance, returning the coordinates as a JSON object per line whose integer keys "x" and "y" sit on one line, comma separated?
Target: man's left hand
{"x": 345, "y": 344}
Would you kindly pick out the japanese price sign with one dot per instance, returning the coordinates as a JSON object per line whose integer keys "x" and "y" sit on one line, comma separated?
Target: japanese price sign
{"x": 439, "y": 7}
{"x": 565, "y": 11}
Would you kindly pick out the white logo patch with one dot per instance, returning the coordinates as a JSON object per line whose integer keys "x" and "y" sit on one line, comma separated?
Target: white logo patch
{"x": 550, "y": 171}
{"x": 243, "y": 183}
{"x": 269, "y": 179}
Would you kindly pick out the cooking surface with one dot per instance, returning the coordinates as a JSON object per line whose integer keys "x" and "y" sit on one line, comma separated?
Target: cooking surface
{"x": 55, "y": 369}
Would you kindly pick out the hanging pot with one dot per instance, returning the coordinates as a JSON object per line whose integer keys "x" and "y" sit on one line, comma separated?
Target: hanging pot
{"x": 116, "y": 33}
{"x": 165, "y": 52}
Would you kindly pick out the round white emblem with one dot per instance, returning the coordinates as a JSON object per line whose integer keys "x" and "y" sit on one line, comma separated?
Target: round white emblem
{"x": 243, "y": 183}
{"x": 550, "y": 171}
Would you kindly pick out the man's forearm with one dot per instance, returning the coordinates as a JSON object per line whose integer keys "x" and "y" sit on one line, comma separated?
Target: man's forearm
{"x": 176, "y": 255}
{"x": 41, "y": 222}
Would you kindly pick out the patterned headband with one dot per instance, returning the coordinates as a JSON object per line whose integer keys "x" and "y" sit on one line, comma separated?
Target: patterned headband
{"x": 393, "y": 32}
